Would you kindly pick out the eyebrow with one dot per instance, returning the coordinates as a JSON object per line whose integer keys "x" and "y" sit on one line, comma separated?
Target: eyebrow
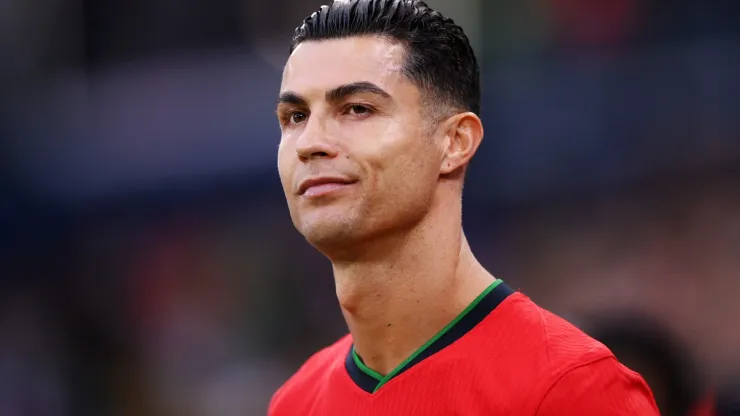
{"x": 343, "y": 91}
{"x": 292, "y": 98}
{"x": 336, "y": 94}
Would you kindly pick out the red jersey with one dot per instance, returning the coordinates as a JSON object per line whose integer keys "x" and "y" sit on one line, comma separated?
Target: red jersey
{"x": 503, "y": 355}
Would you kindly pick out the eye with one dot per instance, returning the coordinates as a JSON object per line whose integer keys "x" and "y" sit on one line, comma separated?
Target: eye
{"x": 296, "y": 117}
{"x": 359, "y": 110}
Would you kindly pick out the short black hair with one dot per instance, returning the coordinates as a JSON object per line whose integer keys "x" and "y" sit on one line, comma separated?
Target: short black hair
{"x": 440, "y": 60}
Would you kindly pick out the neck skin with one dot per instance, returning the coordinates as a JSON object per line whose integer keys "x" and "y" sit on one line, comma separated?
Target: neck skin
{"x": 394, "y": 304}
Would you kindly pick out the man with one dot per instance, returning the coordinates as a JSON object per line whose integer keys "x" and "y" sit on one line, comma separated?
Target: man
{"x": 378, "y": 113}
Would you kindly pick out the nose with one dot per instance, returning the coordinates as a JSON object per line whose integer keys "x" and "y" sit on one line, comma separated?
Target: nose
{"x": 314, "y": 142}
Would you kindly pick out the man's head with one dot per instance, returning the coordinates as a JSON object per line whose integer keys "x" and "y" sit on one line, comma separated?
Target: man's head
{"x": 381, "y": 96}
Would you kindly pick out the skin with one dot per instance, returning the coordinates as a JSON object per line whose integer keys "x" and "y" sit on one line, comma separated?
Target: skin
{"x": 402, "y": 266}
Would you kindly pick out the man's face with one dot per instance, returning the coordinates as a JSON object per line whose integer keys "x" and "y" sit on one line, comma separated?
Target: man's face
{"x": 356, "y": 159}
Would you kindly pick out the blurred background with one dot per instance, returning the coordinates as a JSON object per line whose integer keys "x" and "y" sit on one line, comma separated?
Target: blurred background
{"x": 148, "y": 265}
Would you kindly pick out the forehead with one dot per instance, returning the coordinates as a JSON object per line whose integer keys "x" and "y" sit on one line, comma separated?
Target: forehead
{"x": 317, "y": 66}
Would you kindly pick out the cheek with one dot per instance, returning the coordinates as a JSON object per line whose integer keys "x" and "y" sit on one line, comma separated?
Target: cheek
{"x": 285, "y": 168}
{"x": 394, "y": 143}
{"x": 405, "y": 149}
{"x": 406, "y": 169}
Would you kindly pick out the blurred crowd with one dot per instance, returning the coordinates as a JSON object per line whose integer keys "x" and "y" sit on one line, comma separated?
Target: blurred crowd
{"x": 148, "y": 265}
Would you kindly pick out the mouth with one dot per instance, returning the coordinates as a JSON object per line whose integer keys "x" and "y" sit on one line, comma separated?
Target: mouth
{"x": 324, "y": 185}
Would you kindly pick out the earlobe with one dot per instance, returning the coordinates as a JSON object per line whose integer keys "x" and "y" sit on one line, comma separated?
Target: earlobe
{"x": 464, "y": 135}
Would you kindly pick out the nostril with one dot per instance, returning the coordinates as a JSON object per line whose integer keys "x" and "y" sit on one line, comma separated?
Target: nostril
{"x": 318, "y": 151}
{"x": 314, "y": 155}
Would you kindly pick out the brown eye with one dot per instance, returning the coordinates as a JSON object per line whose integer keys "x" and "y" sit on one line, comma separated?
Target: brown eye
{"x": 297, "y": 117}
{"x": 358, "y": 110}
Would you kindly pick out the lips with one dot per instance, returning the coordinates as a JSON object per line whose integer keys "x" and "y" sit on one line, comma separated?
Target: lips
{"x": 324, "y": 184}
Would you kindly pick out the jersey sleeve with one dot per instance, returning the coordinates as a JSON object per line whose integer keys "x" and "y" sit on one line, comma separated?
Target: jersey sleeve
{"x": 604, "y": 387}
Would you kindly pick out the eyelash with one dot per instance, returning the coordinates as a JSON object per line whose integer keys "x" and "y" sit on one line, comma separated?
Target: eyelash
{"x": 368, "y": 109}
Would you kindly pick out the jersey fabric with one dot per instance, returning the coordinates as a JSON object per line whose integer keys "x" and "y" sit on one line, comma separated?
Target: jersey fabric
{"x": 503, "y": 355}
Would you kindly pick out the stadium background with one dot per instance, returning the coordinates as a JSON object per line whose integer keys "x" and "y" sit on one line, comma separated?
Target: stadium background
{"x": 148, "y": 265}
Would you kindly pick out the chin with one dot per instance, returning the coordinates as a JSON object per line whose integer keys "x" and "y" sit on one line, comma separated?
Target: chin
{"x": 328, "y": 233}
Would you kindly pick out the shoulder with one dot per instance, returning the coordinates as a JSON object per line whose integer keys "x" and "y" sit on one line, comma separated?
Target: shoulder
{"x": 527, "y": 346}
{"x": 567, "y": 345}
{"x": 579, "y": 375}
{"x": 603, "y": 387}
{"x": 309, "y": 376}
{"x": 556, "y": 344}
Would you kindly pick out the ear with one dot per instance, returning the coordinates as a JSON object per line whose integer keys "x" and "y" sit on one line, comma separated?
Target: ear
{"x": 463, "y": 135}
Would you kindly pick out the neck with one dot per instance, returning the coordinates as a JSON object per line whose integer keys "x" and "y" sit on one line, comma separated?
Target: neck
{"x": 393, "y": 305}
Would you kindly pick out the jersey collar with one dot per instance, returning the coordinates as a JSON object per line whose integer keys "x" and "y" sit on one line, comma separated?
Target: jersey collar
{"x": 477, "y": 311}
